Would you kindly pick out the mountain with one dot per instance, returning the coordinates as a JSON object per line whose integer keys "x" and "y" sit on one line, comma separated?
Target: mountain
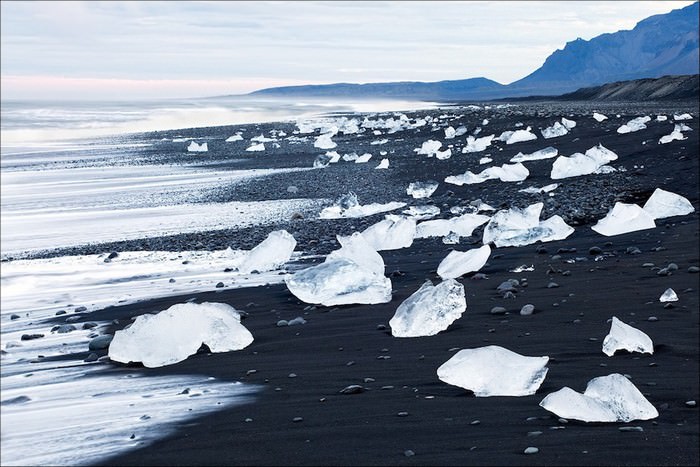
{"x": 647, "y": 89}
{"x": 660, "y": 45}
{"x": 480, "y": 88}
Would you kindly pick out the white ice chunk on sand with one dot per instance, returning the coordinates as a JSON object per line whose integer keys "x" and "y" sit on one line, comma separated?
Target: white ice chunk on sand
{"x": 622, "y": 336}
{"x": 429, "y": 148}
{"x": 393, "y": 233}
{"x": 664, "y": 203}
{"x": 256, "y": 147}
{"x": 322, "y": 161}
{"x": 477, "y": 144}
{"x": 518, "y": 227}
{"x": 599, "y": 117}
{"x": 458, "y": 263}
{"x": 661, "y": 118}
{"x": 348, "y": 206}
{"x": 635, "y": 124}
{"x": 422, "y": 212}
{"x": 685, "y": 116}
{"x": 546, "y": 153}
{"x": 554, "y": 131}
{"x": 582, "y": 164}
{"x": 669, "y": 295}
{"x": 442, "y": 155}
{"x": 624, "y": 218}
{"x": 383, "y": 164}
{"x": 363, "y": 158}
{"x": 178, "y": 332}
{"x": 676, "y": 134}
{"x": 506, "y": 173}
{"x": 569, "y": 124}
{"x": 324, "y": 141}
{"x": 352, "y": 274}
{"x": 270, "y": 254}
{"x": 236, "y": 137}
{"x": 462, "y": 225}
{"x": 494, "y": 371}
{"x": 611, "y": 398}
{"x": 261, "y": 138}
{"x": 450, "y": 132}
{"x": 421, "y": 189}
{"x": 334, "y": 157}
{"x": 485, "y": 160}
{"x": 535, "y": 190}
{"x": 194, "y": 147}
{"x": 430, "y": 310}
{"x": 519, "y": 136}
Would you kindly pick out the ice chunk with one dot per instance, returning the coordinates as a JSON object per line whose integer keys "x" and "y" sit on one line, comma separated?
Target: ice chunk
{"x": 599, "y": 117}
{"x": 442, "y": 155}
{"x": 485, "y": 160}
{"x": 661, "y": 118}
{"x": 625, "y": 337}
{"x": 430, "y": 310}
{"x": 256, "y": 147}
{"x": 363, "y": 158}
{"x": 271, "y": 253}
{"x": 635, "y": 124}
{"x": 518, "y": 136}
{"x": 506, "y": 173}
{"x": 462, "y": 225}
{"x": 393, "y": 233}
{"x": 421, "y": 189}
{"x": 546, "y": 153}
{"x": 262, "y": 139}
{"x": 429, "y": 148}
{"x": 322, "y": 161}
{"x": 379, "y": 142}
{"x": 569, "y": 124}
{"x": 611, "y": 398}
{"x": 685, "y": 116}
{"x": 535, "y": 190}
{"x": 669, "y": 295}
{"x": 477, "y": 144}
{"x": 352, "y": 274}
{"x": 582, "y": 164}
{"x": 383, "y": 164}
{"x": 236, "y": 137}
{"x": 554, "y": 131}
{"x": 673, "y": 136}
{"x": 178, "y": 332}
{"x": 348, "y": 206}
{"x": 518, "y": 227}
{"x": 458, "y": 263}
{"x": 450, "y": 132}
{"x": 324, "y": 141}
{"x": 334, "y": 157}
{"x": 663, "y": 204}
{"x": 194, "y": 147}
{"x": 494, "y": 371}
{"x": 350, "y": 157}
{"x": 624, "y": 218}
{"x": 485, "y": 122}
{"x": 422, "y": 212}
{"x": 461, "y": 130}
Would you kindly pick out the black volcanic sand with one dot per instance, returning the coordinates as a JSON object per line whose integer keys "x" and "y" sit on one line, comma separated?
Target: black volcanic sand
{"x": 344, "y": 345}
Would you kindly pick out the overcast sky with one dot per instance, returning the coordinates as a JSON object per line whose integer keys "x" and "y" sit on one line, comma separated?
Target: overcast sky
{"x": 136, "y": 49}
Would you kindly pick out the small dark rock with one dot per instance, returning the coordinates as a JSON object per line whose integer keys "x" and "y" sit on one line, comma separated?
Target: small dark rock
{"x": 100, "y": 342}
{"x": 352, "y": 389}
{"x": 14, "y": 316}
{"x": 91, "y": 358}
{"x": 527, "y": 310}
{"x": 29, "y": 337}
{"x": 595, "y": 250}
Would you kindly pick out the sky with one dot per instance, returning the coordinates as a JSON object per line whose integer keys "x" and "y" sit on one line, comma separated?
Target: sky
{"x": 148, "y": 49}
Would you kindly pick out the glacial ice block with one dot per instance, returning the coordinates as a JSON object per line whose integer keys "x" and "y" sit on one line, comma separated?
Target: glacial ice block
{"x": 494, "y": 371}
{"x": 429, "y": 148}
{"x": 236, "y": 137}
{"x": 363, "y": 158}
{"x": 676, "y": 134}
{"x": 611, "y": 398}
{"x": 685, "y": 116}
{"x": 383, "y": 164}
{"x": 519, "y": 136}
{"x": 430, "y": 310}
{"x": 420, "y": 213}
{"x": 178, "y": 332}
{"x": 352, "y": 274}
{"x": 569, "y": 124}
{"x": 664, "y": 203}
{"x": 458, "y": 263}
{"x": 506, "y": 173}
{"x": 554, "y": 131}
{"x": 546, "y": 153}
{"x": 635, "y": 124}
{"x": 477, "y": 144}
{"x": 599, "y": 117}
{"x": 393, "y": 233}
{"x": 624, "y": 218}
{"x": 256, "y": 147}
{"x": 462, "y": 225}
{"x": 194, "y": 147}
{"x": 348, "y": 206}
{"x": 271, "y": 253}
{"x": 518, "y": 227}
{"x": 421, "y": 189}
{"x": 622, "y": 336}
{"x": 582, "y": 164}
{"x": 324, "y": 141}
{"x": 669, "y": 295}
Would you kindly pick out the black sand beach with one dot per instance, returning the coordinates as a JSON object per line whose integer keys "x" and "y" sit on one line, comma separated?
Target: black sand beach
{"x": 406, "y": 415}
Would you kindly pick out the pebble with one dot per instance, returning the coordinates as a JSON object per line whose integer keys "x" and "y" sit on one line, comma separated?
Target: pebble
{"x": 13, "y": 316}
{"x": 352, "y": 389}
{"x": 691, "y": 404}
{"x": 498, "y": 310}
{"x": 402, "y": 414}
{"x": 60, "y": 312}
{"x": 29, "y": 337}
{"x": 91, "y": 358}
{"x": 100, "y": 342}
{"x": 296, "y": 321}
{"x": 527, "y": 310}
{"x": 475, "y": 422}
{"x": 531, "y": 450}
{"x": 631, "y": 428}
{"x": 693, "y": 269}
{"x": 595, "y": 250}
{"x": 219, "y": 285}
{"x": 297, "y": 419}
{"x": 552, "y": 285}
{"x": 509, "y": 295}
{"x": 633, "y": 250}
{"x": 409, "y": 453}
{"x": 282, "y": 323}
{"x": 532, "y": 434}
{"x": 65, "y": 328}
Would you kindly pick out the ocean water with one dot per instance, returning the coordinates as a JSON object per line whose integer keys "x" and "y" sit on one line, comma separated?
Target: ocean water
{"x": 63, "y": 182}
